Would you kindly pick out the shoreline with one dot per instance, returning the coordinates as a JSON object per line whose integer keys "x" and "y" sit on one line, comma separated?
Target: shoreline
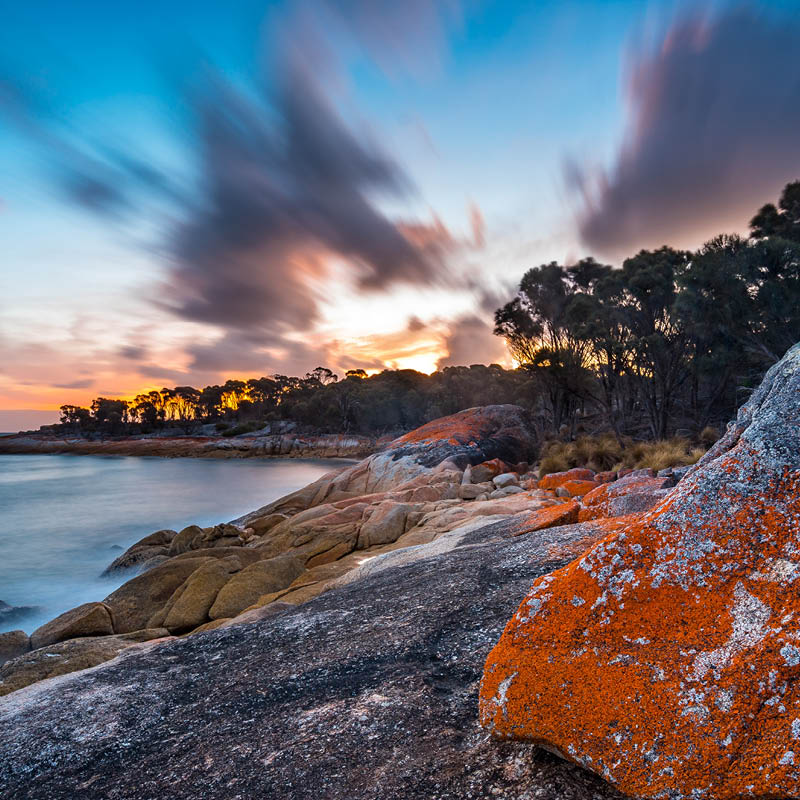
{"x": 267, "y": 446}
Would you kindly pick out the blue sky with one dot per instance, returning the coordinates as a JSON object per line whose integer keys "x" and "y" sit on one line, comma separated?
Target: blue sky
{"x": 467, "y": 141}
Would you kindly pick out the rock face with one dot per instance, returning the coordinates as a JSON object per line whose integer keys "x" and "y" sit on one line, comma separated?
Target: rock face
{"x": 368, "y": 692}
{"x": 89, "y": 619}
{"x": 667, "y": 658}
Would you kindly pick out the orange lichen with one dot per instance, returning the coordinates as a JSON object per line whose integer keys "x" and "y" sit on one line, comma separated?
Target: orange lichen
{"x": 579, "y": 488}
{"x": 597, "y": 496}
{"x": 456, "y": 429}
{"x": 667, "y": 658}
{"x": 549, "y": 517}
{"x": 556, "y": 479}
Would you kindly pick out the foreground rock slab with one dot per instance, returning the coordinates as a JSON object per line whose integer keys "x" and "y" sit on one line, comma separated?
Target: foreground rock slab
{"x": 667, "y": 659}
{"x": 368, "y": 691}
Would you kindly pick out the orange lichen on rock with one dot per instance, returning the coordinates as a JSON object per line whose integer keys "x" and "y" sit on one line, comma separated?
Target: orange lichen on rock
{"x": 458, "y": 428}
{"x": 667, "y": 658}
{"x": 549, "y": 517}
{"x": 598, "y": 495}
{"x": 579, "y": 488}
{"x": 556, "y": 479}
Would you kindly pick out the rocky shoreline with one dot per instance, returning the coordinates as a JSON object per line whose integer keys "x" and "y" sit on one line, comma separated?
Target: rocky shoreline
{"x": 336, "y": 643}
{"x": 285, "y": 445}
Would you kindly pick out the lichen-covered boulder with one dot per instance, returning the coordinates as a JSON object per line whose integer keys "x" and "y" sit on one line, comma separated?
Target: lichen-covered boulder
{"x": 473, "y": 436}
{"x": 667, "y": 658}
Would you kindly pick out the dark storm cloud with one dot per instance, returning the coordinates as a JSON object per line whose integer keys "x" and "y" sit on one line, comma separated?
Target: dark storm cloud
{"x": 714, "y": 133}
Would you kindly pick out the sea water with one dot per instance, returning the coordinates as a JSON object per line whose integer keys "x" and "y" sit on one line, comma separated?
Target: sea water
{"x": 65, "y": 518}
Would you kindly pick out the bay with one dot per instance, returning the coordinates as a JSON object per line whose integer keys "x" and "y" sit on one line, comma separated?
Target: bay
{"x": 64, "y": 518}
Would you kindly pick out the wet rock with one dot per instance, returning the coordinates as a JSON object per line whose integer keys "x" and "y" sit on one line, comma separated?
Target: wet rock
{"x": 667, "y": 657}
{"x": 146, "y": 549}
{"x": 89, "y": 619}
{"x": 367, "y": 692}
{"x": 245, "y": 587}
{"x": 13, "y": 644}
{"x": 11, "y": 614}
{"x": 135, "y": 602}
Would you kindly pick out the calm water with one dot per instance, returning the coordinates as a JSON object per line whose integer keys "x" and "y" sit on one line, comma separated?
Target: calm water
{"x": 62, "y": 515}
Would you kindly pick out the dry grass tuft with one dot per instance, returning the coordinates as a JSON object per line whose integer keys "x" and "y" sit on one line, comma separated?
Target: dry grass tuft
{"x": 606, "y": 452}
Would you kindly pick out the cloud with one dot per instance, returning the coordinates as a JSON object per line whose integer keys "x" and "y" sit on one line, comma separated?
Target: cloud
{"x": 478, "y": 225}
{"x": 284, "y": 188}
{"x": 470, "y": 341}
{"x": 714, "y": 132}
{"x": 134, "y": 352}
{"x": 80, "y": 384}
{"x": 284, "y": 185}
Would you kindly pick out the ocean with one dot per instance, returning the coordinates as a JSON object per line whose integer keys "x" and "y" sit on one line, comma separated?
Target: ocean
{"x": 65, "y": 518}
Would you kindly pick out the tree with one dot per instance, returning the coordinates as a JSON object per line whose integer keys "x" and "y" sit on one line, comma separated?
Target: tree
{"x": 782, "y": 222}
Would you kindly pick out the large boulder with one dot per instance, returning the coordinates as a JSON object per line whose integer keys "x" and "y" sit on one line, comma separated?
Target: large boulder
{"x": 667, "y": 659}
{"x": 263, "y": 577}
{"x": 89, "y": 619}
{"x": 473, "y": 436}
{"x": 189, "y": 604}
{"x": 136, "y": 601}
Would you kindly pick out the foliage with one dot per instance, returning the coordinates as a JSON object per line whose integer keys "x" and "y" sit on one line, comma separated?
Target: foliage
{"x": 670, "y": 343}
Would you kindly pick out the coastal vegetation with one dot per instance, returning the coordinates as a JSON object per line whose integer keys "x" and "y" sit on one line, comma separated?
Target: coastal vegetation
{"x": 669, "y": 345}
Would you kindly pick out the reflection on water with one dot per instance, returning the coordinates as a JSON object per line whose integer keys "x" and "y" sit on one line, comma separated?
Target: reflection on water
{"x": 61, "y": 516}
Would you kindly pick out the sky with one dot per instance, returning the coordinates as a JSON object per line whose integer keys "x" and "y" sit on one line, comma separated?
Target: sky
{"x": 196, "y": 191}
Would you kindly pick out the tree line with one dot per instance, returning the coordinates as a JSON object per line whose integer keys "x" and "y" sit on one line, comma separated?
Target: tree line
{"x": 671, "y": 342}
{"x": 391, "y": 401}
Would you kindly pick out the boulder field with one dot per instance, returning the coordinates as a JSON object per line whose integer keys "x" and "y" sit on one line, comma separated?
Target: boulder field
{"x": 667, "y": 658}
